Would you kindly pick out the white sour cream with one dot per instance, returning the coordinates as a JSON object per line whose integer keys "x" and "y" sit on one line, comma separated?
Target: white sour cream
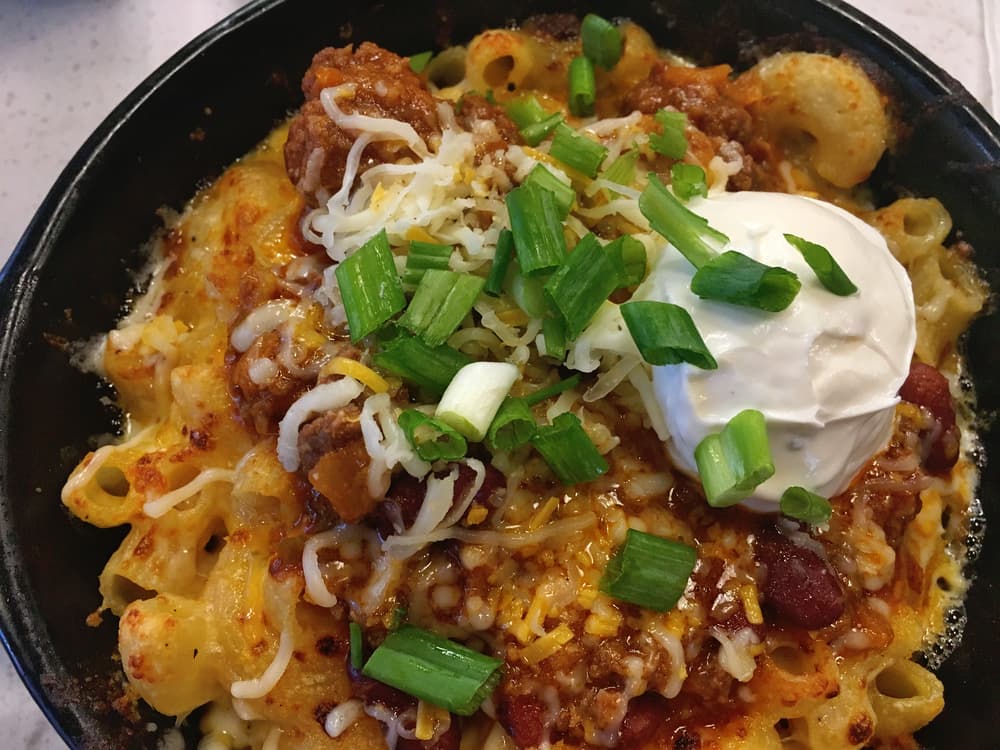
{"x": 825, "y": 372}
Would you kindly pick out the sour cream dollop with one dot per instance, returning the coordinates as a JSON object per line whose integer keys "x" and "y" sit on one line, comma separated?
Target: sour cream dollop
{"x": 825, "y": 372}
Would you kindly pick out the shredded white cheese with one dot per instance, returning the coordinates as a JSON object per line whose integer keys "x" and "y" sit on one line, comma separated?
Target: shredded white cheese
{"x": 258, "y": 687}
{"x": 156, "y": 507}
{"x": 343, "y": 717}
{"x": 322, "y": 398}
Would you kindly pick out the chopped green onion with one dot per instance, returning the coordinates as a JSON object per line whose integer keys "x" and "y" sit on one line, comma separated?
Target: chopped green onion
{"x": 429, "y": 367}
{"x": 622, "y": 169}
{"x": 434, "y": 669}
{"x": 501, "y": 262}
{"x": 513, "y": 426}
{"x": 684, "y": 229}
{"x": 539, "y": 131}
{"x": 688, "y": 180}
{"x": 424, "y": 255}
{"x": 666, "y": 335}
{"x": 568, "y": 451}
{"x": 577, "y": 151}
{"x": 543, "y": 177}
{"x": 732, "y": 463}
{"x": 629, "y": 256}
{"x": 370, "y": 287}
{"x": 431, "y": 439}
{"x": 528, "y": 293}
{"x": 671, "y": 140}
{"x": 398, "y": 618}
{"x": 536, "y": 397}
{"x": 419, "y": 61}
{"x": 474, "y": 395}
{"x": 442, "y": 300}
{"x": 357, "y": 645}
{"x": 740, "y": 280}
{"x": 827, "y": 270}
{"x": 525, "y": 110}
{"x": 800, "y": 503}
{"x": 602, "y": 42}
{"x": 554, "y": 334}
{"x": 582, "y": 283}
{"x": 538, "y": 230}
{"x": 582, "y": 87}
{"x": 649, "y": 571}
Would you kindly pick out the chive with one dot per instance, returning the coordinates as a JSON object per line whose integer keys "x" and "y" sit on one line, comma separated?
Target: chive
{"x": 568, "y": 451}
{"x": 688, "y": 180}
{"x": 740, "y": 280}
{"x": 528, "y": 293}
{"x": 622, "y": 169}
{"x": 666, "y": 335}
{"x": 501, "y": 262}
{"x": 424, "y": 255}
{"x": 536, "y": 397}
{"x": 474, "y": 395}
{"x": 827, "y": 270}
{"x": 442, "y": 300}
{"x": 370, "y": 287}
{"x": 671, "y": 140}
{"x": 554, "y": 333}
{"x": 629, "y": 256}
{"x": 564, "y": 194}
{"x": 539, "y": 131}
{"x": 398, "y": 618}
{"x": 431, "y": 439}
{"x": 419, "y": 61}
{"x": 582, "y": 87}
{"x": 732, "y": 463}
{"x": 582, "y": 283}
{"x": 684, "y": 229}
{"x": 537, "y": 228}
{"x": 357, "y": 645}
{"x": 434, "y": 669}
{"x": 649, "y": 571}
{"x": 513, "y": 426}
{"x": 800, "y": 503}
{"x": 429, "y": 367}
{"x": 577, "y": 150}
{"x": 525, "y": 110}
{"x": 602, "y": 42}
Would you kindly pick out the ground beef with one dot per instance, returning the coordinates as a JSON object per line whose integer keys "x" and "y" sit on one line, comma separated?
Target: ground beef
{"x": 385, "y": 86}
{"x": 335, "y": 461}
{"x": 477, "y": 115}
{"x": 558, "y": 26}
{"x": 261, "y": 405}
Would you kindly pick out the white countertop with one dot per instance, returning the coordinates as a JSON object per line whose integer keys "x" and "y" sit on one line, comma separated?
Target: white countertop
{"x": 64, "y": 66}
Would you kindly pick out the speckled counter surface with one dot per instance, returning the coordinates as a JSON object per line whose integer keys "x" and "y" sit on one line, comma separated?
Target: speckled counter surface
{"x": 65, "y": 64}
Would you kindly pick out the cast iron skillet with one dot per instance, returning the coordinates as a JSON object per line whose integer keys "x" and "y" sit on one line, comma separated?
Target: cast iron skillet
{"x": 70, "y": 275}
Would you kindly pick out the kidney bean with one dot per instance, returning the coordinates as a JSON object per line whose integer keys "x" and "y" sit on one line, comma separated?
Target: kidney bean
{"x": 524, "y": 719}
{"x": 645, "y": 715}
{"x": 927, "y": 387}
{"x": 800, "y": 586}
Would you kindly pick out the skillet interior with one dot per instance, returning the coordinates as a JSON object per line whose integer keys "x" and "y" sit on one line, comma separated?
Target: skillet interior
{"x": 72, "y": 270}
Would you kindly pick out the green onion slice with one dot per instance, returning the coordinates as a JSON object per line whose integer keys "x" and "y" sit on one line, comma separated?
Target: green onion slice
{"x": 671, "y": 140}
{"x": 434, "y": 669}
{"x": 683, "y": 228}
{"x": 536, "y": 397}
{"x": 537, "y": 225}
{"x": 568, "y": 451}
{"x": 564, "y": 194}
{"x": 666, "y": 334}
{"x": 419, "y": 61}
{"x": 582, "y": 87}
{"x": 827, "y": 270}
{"x": 429, "y": 367}
{"x": 582, "y": 283}
{"x": 501, "y": 262}
{"x": 577, "y": 151}
{"x": 602, "y": 42}
{"x": 474, "y": 395}
{"x": 370, "y": 287}
{"x": 432, "y": 439}
{"x": 442, "y": 300}
{"x": 539, "y": 131}
{"x": 800, "y": 503}
{"x": 622, "y": 169}
{"x": 688, "y": 180}
{"x": 554, "y": 333}
{"x": 513, "y": 426}
{"x": 740, "y": 280}
{"x": 629, "y": 256}
{"x": 357, "y": 645}
{"x": 528, "y": 293}
{"x": 424, "y": 255}
{"x": 732, "y": 463}
{"x": 649, "y": 571}
{"x": 525, "y": 110}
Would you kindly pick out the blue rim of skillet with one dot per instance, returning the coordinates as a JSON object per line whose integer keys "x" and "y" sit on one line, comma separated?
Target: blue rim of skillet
{"x": 72, "y": 268}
